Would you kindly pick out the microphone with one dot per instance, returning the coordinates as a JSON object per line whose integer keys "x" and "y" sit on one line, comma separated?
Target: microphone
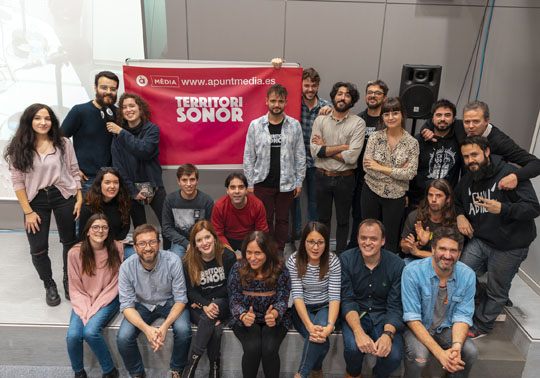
{"x": 107, "y": 114}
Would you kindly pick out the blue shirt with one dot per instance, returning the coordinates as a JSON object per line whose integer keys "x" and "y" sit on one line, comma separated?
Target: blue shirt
{"x": 306, "y": 119}
{"x": 377, "y": 291}
{"x": 420, "y": 286}
{"x": 151, "y": 288}
{"x": 257, "y": 153}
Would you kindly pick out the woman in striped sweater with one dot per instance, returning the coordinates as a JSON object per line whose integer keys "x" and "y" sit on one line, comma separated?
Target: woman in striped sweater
{"x": 316, "y": 286}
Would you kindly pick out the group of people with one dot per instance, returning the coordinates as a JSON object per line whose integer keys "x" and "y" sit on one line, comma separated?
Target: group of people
{"x": 412, "y": 199}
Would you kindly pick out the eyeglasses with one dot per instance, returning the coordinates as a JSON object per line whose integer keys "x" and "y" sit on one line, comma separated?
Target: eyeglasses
{"x": 376, "y": 93}
{"x": 143, "y": 244}
{"x": 313, "y": 243}
{"x": 97, "y": 228}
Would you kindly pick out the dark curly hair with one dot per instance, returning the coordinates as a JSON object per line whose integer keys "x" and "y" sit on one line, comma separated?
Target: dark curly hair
{"x": 143, "y": 107}
{"x": 353, "y": 91}
{"x": 272, "y": 267}
{"x": 20, "y": 150}
{"x": 94, "y": 197}
{"x": 448, "y": 210}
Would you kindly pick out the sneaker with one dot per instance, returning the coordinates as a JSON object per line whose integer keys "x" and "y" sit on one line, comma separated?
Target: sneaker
{"x": 81, "y": 374}
{"x": 112, "y": 374}
{"x": 176, "y": 373}
{"x": 143, "y": 375}
{"x": 51, "y": 293}
{"x": 475, "y": 333}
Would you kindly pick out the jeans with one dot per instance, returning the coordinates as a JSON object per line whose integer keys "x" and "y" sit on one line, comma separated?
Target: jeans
{"x": 255, "y": 349}
{"x": 127, "y": 338}
{"x": 414, "y": 350}
{"x": 313, "y": 354}
{"x": 354, "y": 358}
{"x": 85, "y": 186}
{"x": 388, "y": 210}
{"x": 208, "y": 336}
{"x": 337, "y": 189}
{"x": 501, "y": 267}
{"x": 128, "y": 251}
{"x": 138, "y": 214}
{"x": 311, "y": 201}
{"x": 356, "y": 212}
{"x": 178, "y": 250}
{"x": 47, "y": 200}
{"x": 91, "y": 333}
{"x": 276, "y": 204}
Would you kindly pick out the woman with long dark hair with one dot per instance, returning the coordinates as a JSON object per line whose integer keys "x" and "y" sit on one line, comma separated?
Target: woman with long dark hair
{"x": 135, "y": 151}
{"x": 259, "y": 287}
{"x": 390, "y": 162}
{"x": 316, "y": 288}
{"x": 108, "y": 195}
{"x": 207, "y": 265}
{"x": 45, "y": 176}
{"x": 93, "y": 266}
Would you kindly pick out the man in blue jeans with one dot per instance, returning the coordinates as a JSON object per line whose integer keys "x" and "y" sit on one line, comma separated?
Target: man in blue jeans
{"x": 438, "y": 305}
{"x": 499, "y": 222}
{"x": 371, "y": 302}
{"x": 151, "y": 285}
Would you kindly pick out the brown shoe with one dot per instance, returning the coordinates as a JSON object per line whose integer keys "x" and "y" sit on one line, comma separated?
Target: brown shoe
{"x": 316, "y": 374}
{"x": 347, "y": 375}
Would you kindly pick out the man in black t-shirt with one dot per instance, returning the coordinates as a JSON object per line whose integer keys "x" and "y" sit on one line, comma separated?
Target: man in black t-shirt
{"x": 376, "y": 92}
{"x": 275, "y": 162}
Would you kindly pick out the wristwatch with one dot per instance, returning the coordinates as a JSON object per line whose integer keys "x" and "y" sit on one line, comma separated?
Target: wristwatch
{"x": 389, "y": 333}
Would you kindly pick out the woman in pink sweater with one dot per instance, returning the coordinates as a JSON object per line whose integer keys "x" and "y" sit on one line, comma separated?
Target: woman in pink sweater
{"x": 93, "y": 266}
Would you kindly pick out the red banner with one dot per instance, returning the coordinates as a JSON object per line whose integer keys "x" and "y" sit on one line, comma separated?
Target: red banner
{"x": 204, "y": 113}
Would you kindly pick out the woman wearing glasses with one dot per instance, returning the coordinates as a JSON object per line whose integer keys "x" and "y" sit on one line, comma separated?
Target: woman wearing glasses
{"x": 45, "y": 176}
{"x": 259, "y": 287}
{"x": 93, "y": 266}
{"x": 316, "y": 286}
{"x": 135, "y": 151}
{"x": 108, "y": 195}
{"x": 390, "y": 162}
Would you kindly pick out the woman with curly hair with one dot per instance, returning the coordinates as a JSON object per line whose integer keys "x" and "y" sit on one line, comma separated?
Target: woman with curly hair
{"x": 108, "y": 195}
{"x": 93, "y": 266}
{"x": 135, "y": 151}
{"x": 259, "y": 287}
{"x": 316, "y": 290}
{"x": 45, "y": 176}
{"x": 207, "y": 265}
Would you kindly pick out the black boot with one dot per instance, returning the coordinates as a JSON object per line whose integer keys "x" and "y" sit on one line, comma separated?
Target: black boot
{"x": 51, "y": 293}
{"x": 81, "y": 374}
{"x": 66, "y": 286}
{"x": 214, "y": 369}
{"x": 189, "y": 370}
{"x": 112, "y": 374}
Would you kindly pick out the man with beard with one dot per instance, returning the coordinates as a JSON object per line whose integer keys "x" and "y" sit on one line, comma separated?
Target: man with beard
{"x": 376, "y": 92}
{"x": 499, "y": 222}
{"x": 476, "y": 122}
{"x": 440, "y": 157}
{"x": 312, "y": 107}
{"x": 436, "y": 210}
{"x": 86, "y": 123}
{"x": 438, "y": 306}
{"x": 336, "y": 143}
{"x": 275, "y": 162}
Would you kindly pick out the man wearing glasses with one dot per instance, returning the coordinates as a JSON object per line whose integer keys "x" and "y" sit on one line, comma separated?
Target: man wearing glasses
{"x": 151, "y": 285}
{"x": 376, "y": 92}
{"x": 86, "y": 123}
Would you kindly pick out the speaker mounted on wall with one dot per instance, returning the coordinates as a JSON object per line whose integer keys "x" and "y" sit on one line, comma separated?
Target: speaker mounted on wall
{"x": 419, "y": 89}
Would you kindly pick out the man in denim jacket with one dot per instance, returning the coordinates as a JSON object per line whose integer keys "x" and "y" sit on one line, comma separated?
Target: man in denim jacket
{"x": 438, "y": 306}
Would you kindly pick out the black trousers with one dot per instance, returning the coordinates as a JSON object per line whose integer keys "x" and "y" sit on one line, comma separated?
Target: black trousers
{"x": 138, "y": 215}
{"x": 338, "y": 190}
{"x": 260, "y": 342}
{"x": 208, "y": 336}
{"x": 388, "y": 210}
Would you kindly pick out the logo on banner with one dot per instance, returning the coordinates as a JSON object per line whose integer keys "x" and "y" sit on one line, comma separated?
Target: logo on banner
{"x": 164, "y": 81}
{"x": 209, "y": 109}
{"x": 142, "y": 80}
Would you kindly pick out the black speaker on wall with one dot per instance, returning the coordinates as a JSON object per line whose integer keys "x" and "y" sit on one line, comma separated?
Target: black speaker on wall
{"x": 419, "y": 89}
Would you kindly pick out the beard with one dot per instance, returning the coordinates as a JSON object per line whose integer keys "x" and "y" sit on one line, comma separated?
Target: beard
{"x": 480, "y": 172}
{"x": 101, "y": 98}
{"x": 442, "y": 129}
{"x": 341, "y": 106}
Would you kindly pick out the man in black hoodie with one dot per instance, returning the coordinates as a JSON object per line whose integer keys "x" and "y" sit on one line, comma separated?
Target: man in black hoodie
{"x": 440, "y": 157}
{"x": 499, "y": 222}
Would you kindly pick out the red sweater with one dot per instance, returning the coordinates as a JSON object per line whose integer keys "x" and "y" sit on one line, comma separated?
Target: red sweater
{"x": 234, "y": 223}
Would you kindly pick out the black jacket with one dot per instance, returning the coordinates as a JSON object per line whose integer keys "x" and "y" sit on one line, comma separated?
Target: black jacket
{"x": 514, "y": 227}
